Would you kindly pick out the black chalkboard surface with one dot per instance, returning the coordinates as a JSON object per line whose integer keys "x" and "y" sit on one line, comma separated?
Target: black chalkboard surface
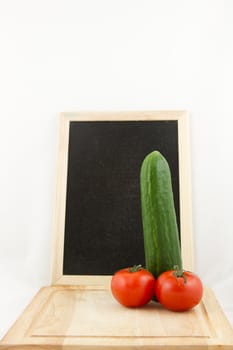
{"x": 103, "y": 228}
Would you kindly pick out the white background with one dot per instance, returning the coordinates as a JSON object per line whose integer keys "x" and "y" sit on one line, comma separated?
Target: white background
{"x": 110, "y": 55}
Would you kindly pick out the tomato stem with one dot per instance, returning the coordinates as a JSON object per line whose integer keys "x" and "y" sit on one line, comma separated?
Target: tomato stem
{"x": 179, "y": 273}
{"x": 135, "y": 268}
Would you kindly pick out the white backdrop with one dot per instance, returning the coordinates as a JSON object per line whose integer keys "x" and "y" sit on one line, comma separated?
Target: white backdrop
{"x": 110, "y": 55}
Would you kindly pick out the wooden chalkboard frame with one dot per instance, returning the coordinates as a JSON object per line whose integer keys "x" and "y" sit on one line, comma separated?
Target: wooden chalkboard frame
{"x": 60, "y": 202}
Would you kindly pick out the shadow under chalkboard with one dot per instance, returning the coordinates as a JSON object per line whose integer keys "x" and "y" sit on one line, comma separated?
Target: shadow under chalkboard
{"x": 103, "y": 227}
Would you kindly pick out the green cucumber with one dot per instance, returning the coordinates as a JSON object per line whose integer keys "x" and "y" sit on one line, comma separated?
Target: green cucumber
{"x": 160, "y": 231}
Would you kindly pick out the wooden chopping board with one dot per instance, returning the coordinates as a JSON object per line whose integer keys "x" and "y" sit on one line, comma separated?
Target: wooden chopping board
{"x": 76, "y": 317}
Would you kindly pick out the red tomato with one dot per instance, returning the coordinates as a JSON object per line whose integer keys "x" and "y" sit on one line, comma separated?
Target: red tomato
{"x": 178, "y": 290}
{"x": 133, "y": 287}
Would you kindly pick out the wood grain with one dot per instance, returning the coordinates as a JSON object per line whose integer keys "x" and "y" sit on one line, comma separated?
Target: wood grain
{"x": 85, "y": 317}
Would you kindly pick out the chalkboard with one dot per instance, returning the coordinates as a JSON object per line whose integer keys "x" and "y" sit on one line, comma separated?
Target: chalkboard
{"x": 102, "y": 228}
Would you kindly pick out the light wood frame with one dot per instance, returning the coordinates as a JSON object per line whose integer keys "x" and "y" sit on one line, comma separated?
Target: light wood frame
{"x": 60, "y": 202}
